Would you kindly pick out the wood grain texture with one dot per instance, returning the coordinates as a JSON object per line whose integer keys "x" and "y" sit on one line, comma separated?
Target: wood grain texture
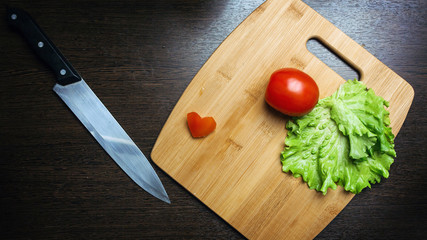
{"x": 56, "y": 182}
{"x": 236, "y": 171}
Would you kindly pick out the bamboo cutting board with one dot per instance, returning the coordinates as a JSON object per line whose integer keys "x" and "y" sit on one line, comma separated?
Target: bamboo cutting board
{"x": 236, "y": 171}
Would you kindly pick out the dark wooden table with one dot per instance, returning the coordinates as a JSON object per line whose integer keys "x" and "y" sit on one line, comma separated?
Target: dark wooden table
{"x": 138, "y": 57}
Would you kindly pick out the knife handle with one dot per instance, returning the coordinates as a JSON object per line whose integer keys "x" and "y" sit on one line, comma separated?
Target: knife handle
{"x": 44, "y": 48}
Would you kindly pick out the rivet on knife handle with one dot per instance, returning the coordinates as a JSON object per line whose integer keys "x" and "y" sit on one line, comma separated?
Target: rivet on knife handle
{"x": 44, "y": 48}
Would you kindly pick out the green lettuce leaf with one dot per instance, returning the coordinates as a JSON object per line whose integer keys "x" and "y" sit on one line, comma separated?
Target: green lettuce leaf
{"x": 344, "y": 140}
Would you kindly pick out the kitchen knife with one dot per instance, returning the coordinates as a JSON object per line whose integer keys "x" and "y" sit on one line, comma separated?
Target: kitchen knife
{"x": 78, "y": 96}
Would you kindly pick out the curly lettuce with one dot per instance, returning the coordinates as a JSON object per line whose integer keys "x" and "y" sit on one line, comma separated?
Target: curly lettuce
{"x": 345, "y": 140}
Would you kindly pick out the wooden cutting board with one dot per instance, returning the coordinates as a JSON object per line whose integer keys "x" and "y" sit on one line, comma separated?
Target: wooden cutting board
{"x": 236, "y": 171}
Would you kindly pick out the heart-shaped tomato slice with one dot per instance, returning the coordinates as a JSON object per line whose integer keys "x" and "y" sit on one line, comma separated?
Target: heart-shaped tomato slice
{"x": 200, "y": 127}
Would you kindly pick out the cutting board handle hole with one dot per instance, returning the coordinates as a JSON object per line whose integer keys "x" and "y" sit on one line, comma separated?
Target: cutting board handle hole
{"x": 332, "y": 59}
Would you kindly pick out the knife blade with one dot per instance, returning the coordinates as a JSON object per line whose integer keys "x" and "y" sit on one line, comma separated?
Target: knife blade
{"x": 87, "y": 107}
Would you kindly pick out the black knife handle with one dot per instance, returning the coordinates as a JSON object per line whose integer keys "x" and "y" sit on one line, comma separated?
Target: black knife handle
{"x": 44, "y": 48}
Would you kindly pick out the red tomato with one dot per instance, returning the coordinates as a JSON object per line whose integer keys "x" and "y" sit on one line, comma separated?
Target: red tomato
{"x": 200, "y": 127}
{"x": 292, "y": 92}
